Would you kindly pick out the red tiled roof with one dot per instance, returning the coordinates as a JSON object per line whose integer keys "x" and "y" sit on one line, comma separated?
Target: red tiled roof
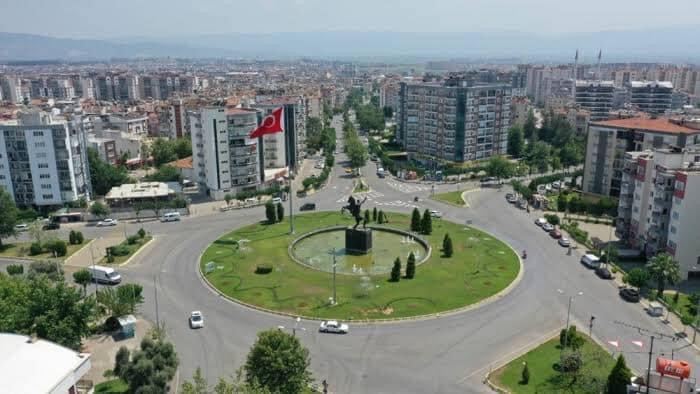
{"x": 184, "y": 164}
{"x": 661, "y": 125}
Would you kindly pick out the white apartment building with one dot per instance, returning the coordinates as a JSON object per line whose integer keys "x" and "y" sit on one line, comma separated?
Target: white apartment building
{"x": 276, "y": 154}
{"x": 652, "y": 97}
{"x": 43, "y": 161}
{"x": 225, "y": 159}
{"x": 176, "y": 119}
{"x": 609, "y": 140}
{"x": 659, "y": 208}
{"x": 132, "y": 123}
{"x": 596, "y": 97}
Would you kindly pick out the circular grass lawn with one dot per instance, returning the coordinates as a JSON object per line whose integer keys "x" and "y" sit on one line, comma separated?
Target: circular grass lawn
{"x": 480, "y": 267}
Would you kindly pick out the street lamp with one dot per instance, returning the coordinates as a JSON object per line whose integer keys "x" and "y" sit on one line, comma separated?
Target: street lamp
{"x": 335, "y": 300}
{"x": 568, "y": 315}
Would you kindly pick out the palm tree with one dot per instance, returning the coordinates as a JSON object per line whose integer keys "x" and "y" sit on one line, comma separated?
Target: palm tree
{"x": 664, "y": 270}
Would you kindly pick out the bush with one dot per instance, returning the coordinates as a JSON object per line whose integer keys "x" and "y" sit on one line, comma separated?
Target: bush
{"x": 111, "y": 324}
{"x": 525, "y": 375}
{"x": 118, "y": 250}
{"x": 48, "y": 268}
{"x": 132, "y": 239}
{"x": 552, "y": 219}
{"x": 447, "y": 246}
{"x": 57, "y": 248}
{"x": 110, "y": 258}
{"x": 35, "y": 249}
{"x": 396, "y": 271}
{"x": 263, "y": 269}
{"x": 141, "y": 233}
{"x": 79, "y": 239}
{"x": 411, "y": 266}
{"x": 15, "y": 269}
{"x": 71, "y": 237}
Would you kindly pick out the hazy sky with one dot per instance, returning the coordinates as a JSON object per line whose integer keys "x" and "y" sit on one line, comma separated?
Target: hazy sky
{"x": 119, "y": 18}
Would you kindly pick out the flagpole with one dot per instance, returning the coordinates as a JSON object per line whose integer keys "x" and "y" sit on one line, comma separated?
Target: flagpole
{"x": 291, "y": 180}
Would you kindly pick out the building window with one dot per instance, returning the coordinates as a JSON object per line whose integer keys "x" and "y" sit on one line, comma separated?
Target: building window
{"x": 41, "y": 155}
{"x": 673, "y": 229}
{"x": 43, "y": 165}
{"x": 47, "y": 196}
{"x": 46, "y": 186}
{"x": 674, "y": 215}
{"x": 44, "y": 176}
{"x": 2, "y": 176}
{"x": 38, "y": 134}
{"x": 40, "y": 144}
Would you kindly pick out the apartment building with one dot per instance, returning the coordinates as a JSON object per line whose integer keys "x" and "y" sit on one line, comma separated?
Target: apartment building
{"x": 659, "y": 209}
{"x": 596, "y": 97}
{"x": 276, "y": 154}
{"x": 651, "y": 97}
{"x": 132, "y": 123}
{"x": 177, "y": 119}
{"x": 43, "y": 160}
{"x": 609, "y": 140}
{"x": 454, "y": 122}
{"x": 519, "y": 108}
{"x": 225, "y": 159}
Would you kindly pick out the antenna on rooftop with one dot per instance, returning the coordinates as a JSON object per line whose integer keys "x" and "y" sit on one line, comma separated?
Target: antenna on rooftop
{"x": 600, "y": 55}
{"x": 573, "y": 89}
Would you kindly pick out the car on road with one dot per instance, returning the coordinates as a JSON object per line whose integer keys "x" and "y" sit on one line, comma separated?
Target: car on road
{"x": 374, "y": 158}
{"x": 196, "y": 320}
{"x": 629, "y": 294}
{"x": 590, "y": 261}
{"x": 51, "y": 226}
{"x": 107, "y": 222}
{"x": 603, "y": 273}
{"x": 435, "y": 214}
{"x": 541, "y": 222}
{"x": 512, "y": 199}
{"x": 309, "y": 206}
{"x": 547, "y": 227}
{"x": 563, "y": 241}
{"x": 488, "y": 179}
{"x": 22, "y": 227}
{"x": 556, "y": 234}
{"x": 334, "y": 327}
{"x": 348, "y": 170}
{"x": 276, "y": 200}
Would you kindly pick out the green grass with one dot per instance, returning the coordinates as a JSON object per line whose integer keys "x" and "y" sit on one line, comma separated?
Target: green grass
{"x": 132, "y": 249}
{"x": 480, "y": 267}
{"x": 21, "y": 249}
{"x": 454, "y": 198}
{"x": 112, "y": 386}
{"x": 544, "y": 378}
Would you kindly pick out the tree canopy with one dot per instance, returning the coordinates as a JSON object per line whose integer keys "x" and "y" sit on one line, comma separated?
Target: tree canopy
{"x": 104, "y": 176}
{"x": 278, "y": 362}
{"x": 148, "y": 369}
{"x": 516, "y": 141}
{"x": 664, "y": 270}
{"x": 8, "y": 215}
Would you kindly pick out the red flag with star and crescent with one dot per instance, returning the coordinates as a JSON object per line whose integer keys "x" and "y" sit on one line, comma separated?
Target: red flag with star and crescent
{"x": 270, "y": 124}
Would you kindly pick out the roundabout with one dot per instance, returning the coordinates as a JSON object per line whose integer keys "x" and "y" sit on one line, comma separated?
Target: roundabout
{"x": 262, "y": 265}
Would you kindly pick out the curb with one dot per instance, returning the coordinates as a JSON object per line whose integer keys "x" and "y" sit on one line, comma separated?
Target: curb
{"x": 137, "y": 252}
{"x": 450, "y": 312}
{"x": 30, "y": 259}
{"x": 66, "y": 261}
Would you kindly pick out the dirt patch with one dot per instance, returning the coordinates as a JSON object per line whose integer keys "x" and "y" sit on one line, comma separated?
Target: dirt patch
{"x": 502, "y": 268}
{"x": 487, "y": 283}
{"x": 412, "y": 306}
{"x": 388, "y": 311}
{"x": 302, "y": 304}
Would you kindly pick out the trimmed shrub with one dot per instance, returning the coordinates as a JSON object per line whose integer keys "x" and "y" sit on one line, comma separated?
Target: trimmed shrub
{"x": 118, "y": 250}
{"x": 263, "y": 269}
{"x": 79, "y": 239}
{"x": 15, "y": 269}
{"x": 57, "y": 248}
{"x": 141, "y": 233}
{"x": 133, "y": 239}
{"x": 110, "y": 258}
{"x": 35, "y": 249}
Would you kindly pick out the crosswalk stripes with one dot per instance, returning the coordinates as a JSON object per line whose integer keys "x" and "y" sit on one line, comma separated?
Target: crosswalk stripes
{"x": 407, "y": 187}
{"x": 371, "y": 195}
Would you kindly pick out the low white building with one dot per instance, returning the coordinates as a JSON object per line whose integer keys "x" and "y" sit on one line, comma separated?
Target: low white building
{"x": 30, "y": 366}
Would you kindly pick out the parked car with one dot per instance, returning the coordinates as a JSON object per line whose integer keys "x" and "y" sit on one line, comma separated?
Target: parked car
{"x": 435, "y": 214}
{"x": 276, "y": 200}
{"x": 170, "y": 217}
{"x": 333, "y": 326}
{"x": 348, "y": 170}
{"x": 309, "y": 206}
{"x": 196, "y": 320}
{"x": 51, "y": 226}
{"x": 21, "y": 227}
{"x": 590, "y": 261}
{"x": 541, "y": 222}
{"x": 563, "y": 241}
{"x": 488, "y": 179}
{"x": 556, "y": 234}
{"x": 547, "y": 227}
{"x": 104, "y": 274}
{"x": 512, "y": 199}
{"x": 107, "y": 222}
{"x": 603, "y": 273}
{"x": 629, "y": 294}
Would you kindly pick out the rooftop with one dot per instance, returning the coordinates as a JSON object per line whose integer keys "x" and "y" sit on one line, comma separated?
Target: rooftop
{"x": 659, "y": 125}
{"x": 651, "y": 84}
{"x": 139, "y": 190}
{"x": 37, "y": 366}
{"x": 184, "y": 164}
{"x": 239, "y": 111}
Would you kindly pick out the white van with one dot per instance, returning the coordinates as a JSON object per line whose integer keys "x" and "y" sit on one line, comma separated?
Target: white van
{"x": 170, "y": 217}
{"x": 104, "y": 274}
{"x": 276, "y": 200}
{"x": 590, "y": 261}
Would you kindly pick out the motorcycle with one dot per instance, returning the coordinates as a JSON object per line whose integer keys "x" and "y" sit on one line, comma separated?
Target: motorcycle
{"x": 524, "y": 254}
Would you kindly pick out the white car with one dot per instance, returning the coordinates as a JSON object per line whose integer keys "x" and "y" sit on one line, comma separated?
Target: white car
{"x": 196, "y": 320}
{"x": 22, "y": 227}
{"x": 107, "y": 222}
{"x": 436, "y": 214}
{"x": 333, "y": 326}
{"x": 547, "y": 227}
{"x": 541, "y": 222}
{"x": 563, "y": 241}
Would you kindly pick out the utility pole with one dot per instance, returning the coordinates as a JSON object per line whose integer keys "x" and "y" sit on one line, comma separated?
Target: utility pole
{"x": 568, "y": 315}
{"x": 291, "y": 188}
{"x": 335, "y": 300}
{"x": 92, "y": 255}
{"x": 155, "y": 289}
{"x": 590, "y": 327}
{"x": 651, "y": 349}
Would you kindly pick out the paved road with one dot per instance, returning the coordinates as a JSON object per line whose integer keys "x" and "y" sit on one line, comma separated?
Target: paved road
{"x": 445, "y": 355}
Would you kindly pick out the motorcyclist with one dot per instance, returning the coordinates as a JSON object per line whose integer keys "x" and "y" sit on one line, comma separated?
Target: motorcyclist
{"x": 524, "y": 254}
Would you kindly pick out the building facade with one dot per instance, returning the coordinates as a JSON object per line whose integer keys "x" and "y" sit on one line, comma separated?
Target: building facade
{"x": 608, "y": 141}
{"x": 276, "y": 152}
{"x": 596, "y": 97}
{"x": 651, "y": 97}
{"x": 225, "y": 159}
{"x": 43, "y": 161}
{"x": 453, "y": 122}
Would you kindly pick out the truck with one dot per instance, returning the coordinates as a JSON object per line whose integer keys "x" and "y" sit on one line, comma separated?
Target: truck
{"x": 102, "y": 274}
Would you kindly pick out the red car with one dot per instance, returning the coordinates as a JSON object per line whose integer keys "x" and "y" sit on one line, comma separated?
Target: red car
{"x": 556, "y": 234}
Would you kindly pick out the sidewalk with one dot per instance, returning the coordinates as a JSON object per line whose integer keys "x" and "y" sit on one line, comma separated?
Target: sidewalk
{"x": 98, "y": 247}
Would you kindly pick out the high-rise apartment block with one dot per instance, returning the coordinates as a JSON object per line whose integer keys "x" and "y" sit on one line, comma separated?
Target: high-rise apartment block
{"x": 596, "y": 97}
{"x": 43, "y": 161}
{"x": 277, "y": 152}
{"x": 609, "y": 140}
{"x": 650, "y": 97}
{"x": 225, "y": 159}
{"x": 454, "y": 121}
{"x": 659, "y": 208}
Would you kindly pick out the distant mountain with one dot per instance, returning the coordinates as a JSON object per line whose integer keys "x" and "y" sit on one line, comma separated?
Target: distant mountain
{"x": 663, "y": 44}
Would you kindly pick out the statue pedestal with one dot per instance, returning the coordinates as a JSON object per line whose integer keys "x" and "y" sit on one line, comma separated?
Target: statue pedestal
{"x": 358, "y": 241}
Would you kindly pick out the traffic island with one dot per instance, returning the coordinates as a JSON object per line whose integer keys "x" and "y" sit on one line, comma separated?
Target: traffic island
{"x": 253, "y": 265}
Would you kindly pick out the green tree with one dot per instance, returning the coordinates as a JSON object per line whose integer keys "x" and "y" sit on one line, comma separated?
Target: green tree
{"x": 396, "y": 271}
{"x": 228, "y": 197}
{"x": 664, "y": 270}
{"x": 57, "y": 248}
{"x": 83, "y": 278}
{"x": 411, "y": 266}
{"x": 357, "y": 153}
{"x": 130, "y": 294}
{"x": 150, "y": 368}
{"x": 538, "y": 155}
{"x": 447, "y": 246}
{"x": 415, "y": 220}
{"x": 278, "y": 362}
{"x": 165, "y": 173}
{"x": 182, "y": 147}
{"x": 15, "y": 269}
{"x": 280, "y": 212}
{"x": 571, "y": 154}
{"x": 314, "y": 133}
{"x": 163, "y": 151}
{"x": 8, "y": 215}
{"x": 516, "y": 141}
{"x": 98, "y": 209}
{"x": 141, "y": 233}
{"x": 619, "y": 377}
{"x": 374, "y": 214}
{"x": 426, "y": 225}
{"x": 388, "y": 112}
{"x": 270, "y": 212}
{"x": 367, "y": 216}
{"x": 199, "y": 385}
{"x": 50, "y": 309}
{"x": 570, "y": 338}
{"x": 525, "y": 375}
{"x": 529, "y": 128}
{"x": 499, "y": 167}
{"x": 104, "y": 176}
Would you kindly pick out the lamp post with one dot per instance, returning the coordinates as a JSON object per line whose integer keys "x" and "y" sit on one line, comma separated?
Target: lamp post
{"x": 568, "y": 315}
{"x": 335, "y": 300}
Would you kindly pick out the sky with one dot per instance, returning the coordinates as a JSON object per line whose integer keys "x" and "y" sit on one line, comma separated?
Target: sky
{"x": 166, "y": 18}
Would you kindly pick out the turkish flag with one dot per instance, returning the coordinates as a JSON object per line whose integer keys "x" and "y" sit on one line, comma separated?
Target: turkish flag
{"x": 270, "y": 124}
